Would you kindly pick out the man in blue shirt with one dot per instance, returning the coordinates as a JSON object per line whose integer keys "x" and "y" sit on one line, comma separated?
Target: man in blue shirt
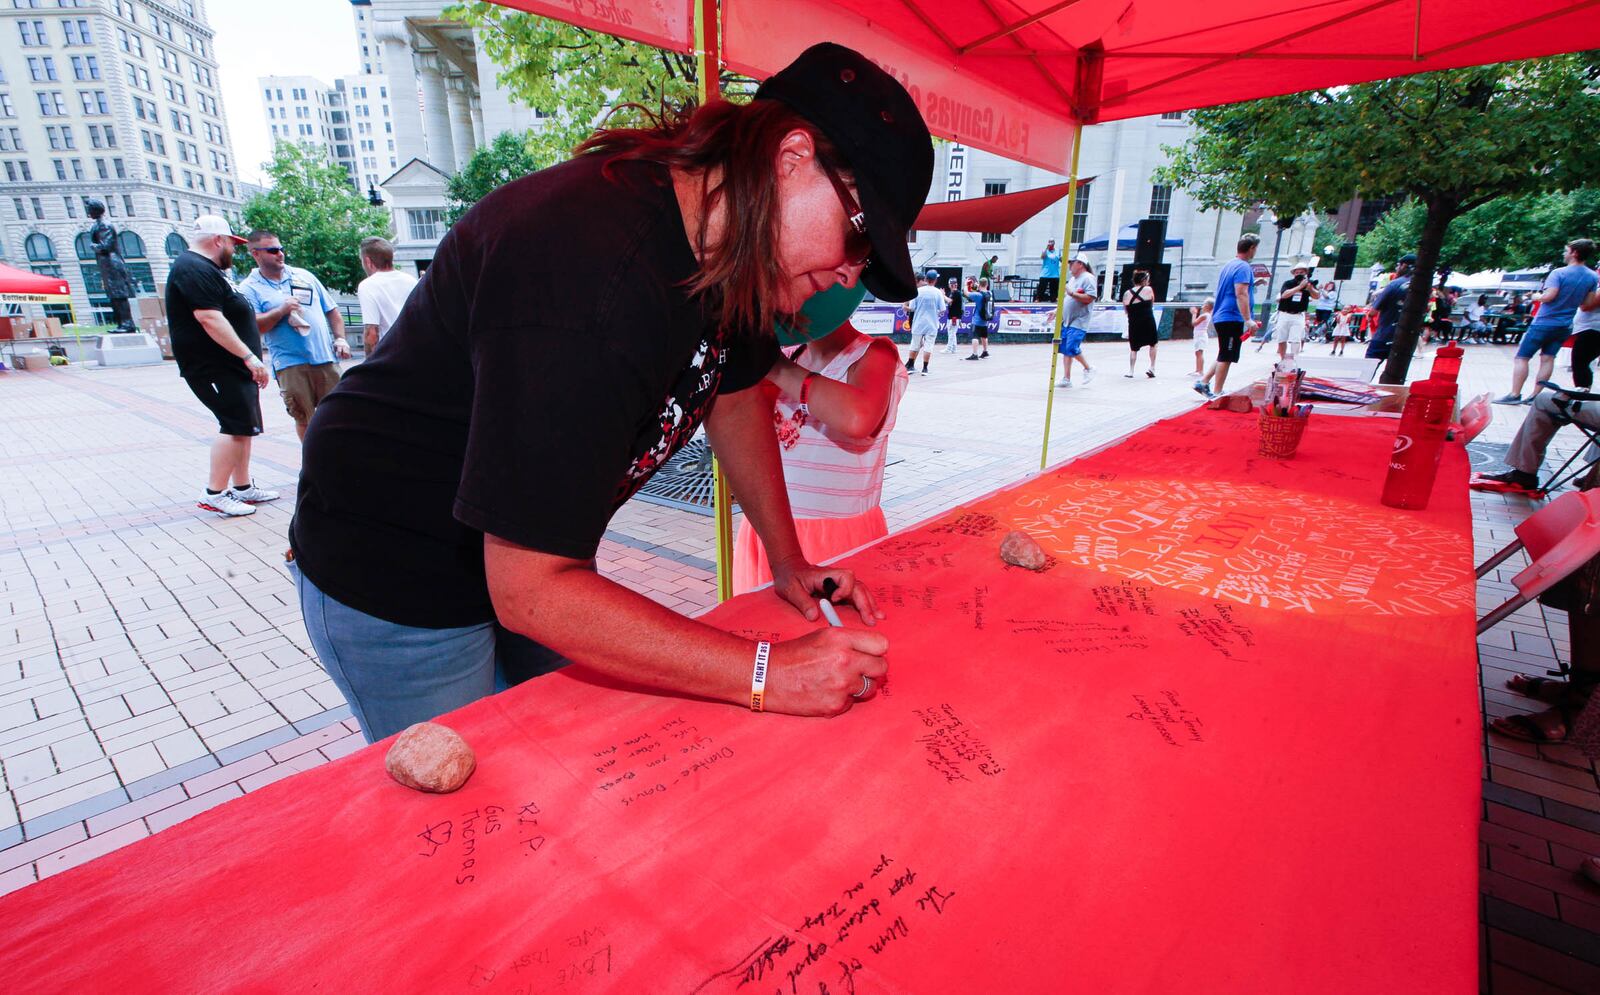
{"x": 302, "y": 327}
{"x": 1387, "y": 305}
{"x": 1231, "y": 319}
{"x": 1049, "y": 273}
{"x": 1564, "y": 290}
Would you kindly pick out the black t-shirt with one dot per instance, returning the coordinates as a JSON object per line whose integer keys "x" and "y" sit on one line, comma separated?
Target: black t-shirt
{"x": 548, "y": 362}
{"x": 194, "y": 283}
{"x": 1297, "y": 303}
{"x": 958, "y": 304}
{"x": 1388, "y": 303}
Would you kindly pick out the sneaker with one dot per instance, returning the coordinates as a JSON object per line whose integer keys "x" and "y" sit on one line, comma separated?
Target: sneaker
{"x": 984, "y": 354}
{"x": 1064, "y": 383}
{"x": 973, "y": 358}
{"x": 1509, "y": 482}
{"x": 1509, "y": 399}
{"x": 1127, "y": 376}
{"x": 224, "y": 504}
{"x": 252, "y": 494}
{"x": 1150, "y": 373}
{"x": 1202, "y": 388}
{"x": 924, "y": 372}
{"x": 1089, "y": 374}
{"x": 1529, "y": 399}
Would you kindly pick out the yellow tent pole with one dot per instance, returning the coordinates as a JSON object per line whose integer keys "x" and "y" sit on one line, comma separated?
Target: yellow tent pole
{"x": 708, "y": 50}
{"x": 1061, "y": 297}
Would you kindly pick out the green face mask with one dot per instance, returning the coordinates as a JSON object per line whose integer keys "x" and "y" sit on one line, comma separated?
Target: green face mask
{"x": 824, "y": 312}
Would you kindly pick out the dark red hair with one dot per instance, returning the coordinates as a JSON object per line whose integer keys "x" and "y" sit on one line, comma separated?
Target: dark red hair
{"x": 741, "y": 270}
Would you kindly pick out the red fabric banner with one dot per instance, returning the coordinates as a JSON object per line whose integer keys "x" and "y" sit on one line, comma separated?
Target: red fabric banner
{"x": 665, "y": 24}
{"x": 1225, "y": 741}
{"x": 958, "y": 102}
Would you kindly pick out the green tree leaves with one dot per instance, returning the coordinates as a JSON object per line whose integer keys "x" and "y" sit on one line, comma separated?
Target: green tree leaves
{"x": 506, "y": 158}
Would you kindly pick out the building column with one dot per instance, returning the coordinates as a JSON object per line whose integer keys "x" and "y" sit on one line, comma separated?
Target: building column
{"x": 461, "y": 121}
{"x": 479, "y": 139}
{"x": 404, "y": 109}
{"x": 436, "y": 114}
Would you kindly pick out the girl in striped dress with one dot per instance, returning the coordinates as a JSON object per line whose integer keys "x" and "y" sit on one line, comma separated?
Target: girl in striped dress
{"x": 835, "y": 402}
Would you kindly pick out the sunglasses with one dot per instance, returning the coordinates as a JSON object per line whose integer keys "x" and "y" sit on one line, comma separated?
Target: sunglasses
{"x": 857, "y": 246}
{"x": 276, "y": 250}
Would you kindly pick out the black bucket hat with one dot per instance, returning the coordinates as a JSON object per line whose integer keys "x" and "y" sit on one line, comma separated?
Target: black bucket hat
{"x": 872, "y": 121}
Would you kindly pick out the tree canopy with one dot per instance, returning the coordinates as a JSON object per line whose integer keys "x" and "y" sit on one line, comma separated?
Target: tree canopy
{"x": 1454, "y": 140}
{"x": 318, "y": 215}
{"x": 506, "y": 158}
{"x": 1507, "y": 233}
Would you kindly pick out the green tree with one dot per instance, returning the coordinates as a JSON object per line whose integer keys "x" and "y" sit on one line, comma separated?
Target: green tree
{"x": 1454, "y": 140}
{"x": 317, "y": 213}
{"x": 506, "y": 158}
{"x": 1506, "y": 233}
{"x": 573, "y": 76}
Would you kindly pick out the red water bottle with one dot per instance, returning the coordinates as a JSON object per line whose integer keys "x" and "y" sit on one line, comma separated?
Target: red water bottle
{"x": 1419, "y": 444}
{"x": 1447, "y": 362}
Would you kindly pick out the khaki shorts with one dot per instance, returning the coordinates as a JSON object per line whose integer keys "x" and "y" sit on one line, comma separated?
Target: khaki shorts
{"x": 304, "y": 386}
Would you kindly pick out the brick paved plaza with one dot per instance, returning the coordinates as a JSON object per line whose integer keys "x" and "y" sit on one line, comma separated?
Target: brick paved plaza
{"x": 153, "y": 663}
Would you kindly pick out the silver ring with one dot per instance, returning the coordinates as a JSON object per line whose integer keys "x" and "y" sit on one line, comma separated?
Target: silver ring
{"x": 866, "y": 687}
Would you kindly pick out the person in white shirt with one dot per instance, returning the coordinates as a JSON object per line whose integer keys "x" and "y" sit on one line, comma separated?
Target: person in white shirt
{"x": 383, "y": 293}
{"x": 925, "y": 309}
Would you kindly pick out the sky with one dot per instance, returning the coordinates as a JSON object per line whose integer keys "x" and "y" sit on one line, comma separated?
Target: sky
{"x": 278, "y": 38}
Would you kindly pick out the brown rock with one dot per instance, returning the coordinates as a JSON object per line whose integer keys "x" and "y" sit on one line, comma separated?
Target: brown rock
{"x": 1019, "y": 549}
{"x": 430, "y": 757}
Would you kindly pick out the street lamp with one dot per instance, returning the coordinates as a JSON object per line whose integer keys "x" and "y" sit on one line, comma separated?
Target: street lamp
{"x": 373, "y": 197}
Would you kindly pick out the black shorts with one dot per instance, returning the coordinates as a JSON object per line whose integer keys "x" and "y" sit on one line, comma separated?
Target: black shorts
{"x": 1230, "y": 334}
{"x": 233, "y": 398}
{"x": 980, "y": 331}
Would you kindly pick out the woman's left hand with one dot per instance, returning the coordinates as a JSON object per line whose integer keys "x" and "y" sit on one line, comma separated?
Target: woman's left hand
{"x": 800, "y": 584}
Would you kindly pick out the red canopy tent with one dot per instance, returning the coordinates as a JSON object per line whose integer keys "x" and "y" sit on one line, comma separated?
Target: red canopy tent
{"x": 1003, "y": 212}
{"x": 18, "y": 286}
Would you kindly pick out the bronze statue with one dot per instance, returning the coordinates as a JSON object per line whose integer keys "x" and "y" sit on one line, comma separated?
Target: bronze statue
{"x": 114, "y": 276}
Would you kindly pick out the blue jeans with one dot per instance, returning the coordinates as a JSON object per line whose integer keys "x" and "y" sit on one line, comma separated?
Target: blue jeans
{"x": 396, "y": 675}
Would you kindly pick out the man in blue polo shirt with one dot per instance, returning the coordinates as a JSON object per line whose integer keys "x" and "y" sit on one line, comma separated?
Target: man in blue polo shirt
{"x": 1232, "y": 317}
{"x": 1564, "y": 290}
{"x": 301, "y": 325}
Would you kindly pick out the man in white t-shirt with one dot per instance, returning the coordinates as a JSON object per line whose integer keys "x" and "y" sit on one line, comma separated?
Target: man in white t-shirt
{"x": 383, "y": 293}
{"x": 925, "y": 309}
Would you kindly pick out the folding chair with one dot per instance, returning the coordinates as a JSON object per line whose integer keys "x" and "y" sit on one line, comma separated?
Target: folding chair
{"x": 1568, "y": 401}
{"x": 1559, "y": 538}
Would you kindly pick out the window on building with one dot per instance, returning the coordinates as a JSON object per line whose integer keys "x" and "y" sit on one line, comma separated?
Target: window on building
{"x": 76, "y": 32}
{"x": 1160, "y": 200}
{"x": 6, "y": 108}
{"x": 161, "y": 207}
{"x": 11, "y": 140}
{"x": 41, "y": 69}
{"x": 32, "y": 32}
{"x": 67, "y": 140}
{"x": 1172, "y": 116}
{"x": 52, "y": 104}
{"x": 38, "y": 208}
{"x": 77, "y": 169}
{"x": 174, "y": 244}
{"x": 71, "y": 205}
{"x": 118, "y": 168}
{"x": 61, "y": 168}
{"x": 85, "y": 67}
{"x": 101, "y": 170}
{"x": 94, "y": 101}
{"x": 425, "y": 225}
{"x": 22, "y": 213}
{"x": 39, "y": 248}
{"x": 111, "y": 137}
{"x": 131, "y": 244}
{"x": 1080, "y": 214}
{"x": 127, "y": 203}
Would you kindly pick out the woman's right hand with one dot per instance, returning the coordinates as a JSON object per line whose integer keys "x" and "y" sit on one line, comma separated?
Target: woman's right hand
{"x": 820, "y": 673}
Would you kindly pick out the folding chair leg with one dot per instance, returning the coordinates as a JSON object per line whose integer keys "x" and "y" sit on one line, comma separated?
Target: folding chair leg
{"x": 1499, "y": 558}
{"x": 1502, "y": 613}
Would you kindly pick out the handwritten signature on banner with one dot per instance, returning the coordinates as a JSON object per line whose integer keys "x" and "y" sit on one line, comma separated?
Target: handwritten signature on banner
{"x": 872, "y": 913}
{"x": 1246, "y": 544}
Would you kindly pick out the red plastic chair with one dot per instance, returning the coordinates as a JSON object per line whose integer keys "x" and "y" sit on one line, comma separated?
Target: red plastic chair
{"x": 1475, "y": 416}
{"x": 1559, "y": 538}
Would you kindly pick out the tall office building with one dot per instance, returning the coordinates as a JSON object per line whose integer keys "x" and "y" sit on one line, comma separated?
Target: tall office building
{"x": 116, "y": 100}
{"x": 349, "y": 120}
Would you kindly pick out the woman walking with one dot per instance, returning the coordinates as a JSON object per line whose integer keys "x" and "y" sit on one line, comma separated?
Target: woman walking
{"x": 1140, "y": 302}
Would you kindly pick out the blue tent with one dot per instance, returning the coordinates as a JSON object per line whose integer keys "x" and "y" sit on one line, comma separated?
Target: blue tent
{"x": 1126, "y": 241}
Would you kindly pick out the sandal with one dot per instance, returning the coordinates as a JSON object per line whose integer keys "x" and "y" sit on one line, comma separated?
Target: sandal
{"x": 1546, "y": 689}
{"x": 1529, "y": 729}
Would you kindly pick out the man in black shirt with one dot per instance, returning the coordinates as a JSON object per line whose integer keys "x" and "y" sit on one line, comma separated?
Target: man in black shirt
{"x": 1289, "y": 327}
{"x": 218, "y": 349}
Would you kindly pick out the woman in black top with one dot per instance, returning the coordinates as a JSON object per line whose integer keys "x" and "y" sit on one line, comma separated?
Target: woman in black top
{"x": 571, "y": 333}
{"x": 1139, "y": 301}
{"x": 958, "y": 307}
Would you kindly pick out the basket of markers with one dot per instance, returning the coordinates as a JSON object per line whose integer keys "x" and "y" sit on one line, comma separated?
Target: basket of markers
{"x": 1283, "y": 418}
